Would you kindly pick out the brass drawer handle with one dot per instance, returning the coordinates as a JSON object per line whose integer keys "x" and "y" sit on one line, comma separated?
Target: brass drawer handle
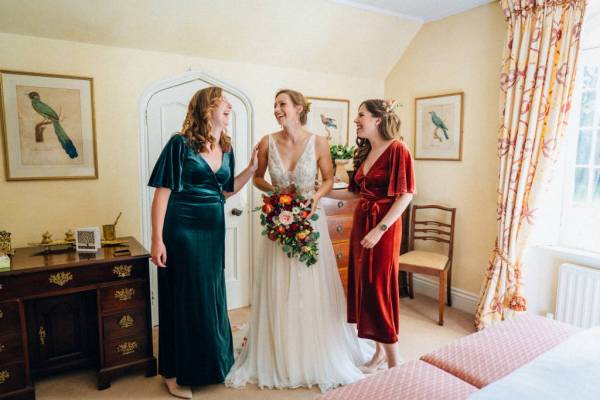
{"x": 61, "y": 278}
{"x": 122, "y": 271}
{"x": 42, "y": 335}
{"x": 126, "y": 321}
{"x": 124, "y": 294}
{"x": 339, "y": 255}
{"x": 4, "y": 375}
{"x": 127, "y": 348}
{"x": 339, "y": 229}
{"x": 1, "y": 314}
{"x": 2, "y": 347}
{"x": 340, "y": 204}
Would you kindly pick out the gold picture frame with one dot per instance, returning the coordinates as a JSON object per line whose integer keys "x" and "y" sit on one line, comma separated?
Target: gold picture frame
{"x": 329, "y": 117}
{"x": 439, "y": 127}
{"x": 48, "y": 126}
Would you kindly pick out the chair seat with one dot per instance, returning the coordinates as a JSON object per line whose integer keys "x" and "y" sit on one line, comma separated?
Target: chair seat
{"x": 424, "y": 259}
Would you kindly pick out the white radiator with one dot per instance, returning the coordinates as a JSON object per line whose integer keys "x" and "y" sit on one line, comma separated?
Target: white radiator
{"x": 578, "y": 295}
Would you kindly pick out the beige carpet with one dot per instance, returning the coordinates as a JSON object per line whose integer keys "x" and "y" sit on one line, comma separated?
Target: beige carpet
{"x": 419, "y": 334}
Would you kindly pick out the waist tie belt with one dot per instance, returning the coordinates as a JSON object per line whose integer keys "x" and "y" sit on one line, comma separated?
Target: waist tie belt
{"x": 372, "y": 206}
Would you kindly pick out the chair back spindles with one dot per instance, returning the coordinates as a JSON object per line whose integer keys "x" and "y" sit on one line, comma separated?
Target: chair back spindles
{"x": 428, "y": 228}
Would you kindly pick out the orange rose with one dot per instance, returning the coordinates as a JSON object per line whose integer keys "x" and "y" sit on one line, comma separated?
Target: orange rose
{"x": 280, "y": 229}
{"x": 301, "y": 235}
{"x": 267, "y": 208}
{"x": 285, "y": 199}
{"x": 305, "y": 214}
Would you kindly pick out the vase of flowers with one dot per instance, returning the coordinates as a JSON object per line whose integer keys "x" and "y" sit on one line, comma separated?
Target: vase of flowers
{"x": 341, "y": 156}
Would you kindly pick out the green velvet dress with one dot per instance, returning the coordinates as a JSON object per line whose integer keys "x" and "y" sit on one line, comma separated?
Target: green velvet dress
{"x": 194, "y": 342}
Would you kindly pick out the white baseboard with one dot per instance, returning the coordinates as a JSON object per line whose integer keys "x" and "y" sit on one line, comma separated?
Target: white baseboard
{"x": 461, "y": 299}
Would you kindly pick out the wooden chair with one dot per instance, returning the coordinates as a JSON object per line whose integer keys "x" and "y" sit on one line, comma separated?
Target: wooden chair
{"x": 428, "y": 262}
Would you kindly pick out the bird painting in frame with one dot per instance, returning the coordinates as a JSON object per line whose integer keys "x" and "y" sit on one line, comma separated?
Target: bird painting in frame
{"x": 439, "y": 125}
{"x": 50, "y": 116}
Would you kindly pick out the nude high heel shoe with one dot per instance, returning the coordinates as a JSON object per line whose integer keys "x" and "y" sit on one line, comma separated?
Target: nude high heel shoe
{"x": 182, "y": 392}
{"x": 371, "y": 369}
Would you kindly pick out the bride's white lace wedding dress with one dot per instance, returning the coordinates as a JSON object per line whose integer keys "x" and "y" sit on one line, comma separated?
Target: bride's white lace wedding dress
{"x": 298, "y": 335}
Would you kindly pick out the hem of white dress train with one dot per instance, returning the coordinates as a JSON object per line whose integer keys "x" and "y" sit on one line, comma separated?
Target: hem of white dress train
{"x": 323, "y": 387}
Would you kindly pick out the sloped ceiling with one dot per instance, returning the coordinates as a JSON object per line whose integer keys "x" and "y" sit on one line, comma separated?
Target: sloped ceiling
{"x": 314, "y": 35}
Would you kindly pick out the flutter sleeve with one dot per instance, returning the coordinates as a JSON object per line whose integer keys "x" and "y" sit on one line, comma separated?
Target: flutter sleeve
{"x": 402, "y": 176}
{"x": 229, "y": 185}
{"x": 168, "y": 168}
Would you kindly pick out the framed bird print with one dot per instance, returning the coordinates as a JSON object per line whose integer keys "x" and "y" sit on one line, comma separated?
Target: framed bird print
{"x": 48, "y": 126}
{"x": 439, "y": 127}
{"x": 329, "y": 118}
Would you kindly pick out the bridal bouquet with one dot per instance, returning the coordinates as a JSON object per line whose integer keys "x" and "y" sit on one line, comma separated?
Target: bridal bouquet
{"x": 285, "y": 221}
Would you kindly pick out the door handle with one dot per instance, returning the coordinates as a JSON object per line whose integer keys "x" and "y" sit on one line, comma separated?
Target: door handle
{"x": 237, "y": 212}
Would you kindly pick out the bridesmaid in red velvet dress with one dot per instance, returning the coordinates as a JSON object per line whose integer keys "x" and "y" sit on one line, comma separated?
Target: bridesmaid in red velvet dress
{"x": 384, "y": 181}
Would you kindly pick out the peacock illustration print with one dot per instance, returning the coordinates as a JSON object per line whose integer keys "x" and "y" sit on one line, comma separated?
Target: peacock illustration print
{"x": 49, "y": 114}
{"x": 439, "y": 125}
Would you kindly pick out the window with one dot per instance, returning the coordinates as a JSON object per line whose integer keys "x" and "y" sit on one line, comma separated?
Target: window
{"x": 580, "y": 219}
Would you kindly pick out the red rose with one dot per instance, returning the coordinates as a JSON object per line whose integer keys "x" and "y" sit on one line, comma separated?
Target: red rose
{"x": 304, "y": 214}
{"x": 267, "y": 208}
{"x": 272, "y": 236}
{"x": 281, "y": 229}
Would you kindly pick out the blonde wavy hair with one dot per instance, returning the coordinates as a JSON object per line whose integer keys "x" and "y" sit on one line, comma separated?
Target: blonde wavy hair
{"x": 196, "y": 126}
{"x": 299, "y": 100}
{"x": 389, "y": 128}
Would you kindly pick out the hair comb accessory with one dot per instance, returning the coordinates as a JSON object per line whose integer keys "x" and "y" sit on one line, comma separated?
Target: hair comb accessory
{"x": 308, "y": 105}
{"x": 391, "y": 105}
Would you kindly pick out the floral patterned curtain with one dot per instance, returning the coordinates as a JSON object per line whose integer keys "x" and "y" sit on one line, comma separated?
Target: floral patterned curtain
{"x": 537, "y": 80}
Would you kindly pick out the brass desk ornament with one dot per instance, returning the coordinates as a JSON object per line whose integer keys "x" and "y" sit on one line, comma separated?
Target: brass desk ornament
{"x": 109, "y": 231}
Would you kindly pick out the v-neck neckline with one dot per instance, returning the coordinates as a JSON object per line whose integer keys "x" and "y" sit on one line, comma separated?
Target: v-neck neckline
{"x": 365, "y": 173}
{"x": 208, "y": 165}
{"x": 299, "y": 158}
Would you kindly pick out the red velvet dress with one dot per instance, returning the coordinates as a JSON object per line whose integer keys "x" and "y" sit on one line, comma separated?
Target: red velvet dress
{"x": 373, "y": 293}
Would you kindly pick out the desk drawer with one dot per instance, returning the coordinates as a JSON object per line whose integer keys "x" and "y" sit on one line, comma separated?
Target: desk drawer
{"x": 10, "y": 320}
{"x": 337, "y": 207}
{"x": 126, "y": 323}
{"x": 125, "y": 350}
{"x": 11, "y": 348}
{"x": 341, "y": 251}
{"x": 131, "y": 294}
{"x": 339, "y": 228}
{"x": 50, "y": 282}
{"x": 12, "y": 377}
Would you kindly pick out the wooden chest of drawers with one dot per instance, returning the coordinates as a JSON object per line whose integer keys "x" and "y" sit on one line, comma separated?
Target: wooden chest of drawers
{"x": 339, "y": 220}
{"x": 340, "y": 214}
{"x": 66, "y": 310}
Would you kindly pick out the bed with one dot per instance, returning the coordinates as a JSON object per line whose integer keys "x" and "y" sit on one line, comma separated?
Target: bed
{"x": 528, "y": 357}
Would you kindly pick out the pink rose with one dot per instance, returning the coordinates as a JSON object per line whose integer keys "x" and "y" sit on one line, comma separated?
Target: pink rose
{"x": 286, "y": 218}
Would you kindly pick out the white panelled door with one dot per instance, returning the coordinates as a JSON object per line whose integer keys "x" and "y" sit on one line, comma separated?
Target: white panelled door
{"x": 165, "y": 110}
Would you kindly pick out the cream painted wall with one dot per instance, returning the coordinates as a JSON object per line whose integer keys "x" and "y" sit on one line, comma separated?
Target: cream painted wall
{"x": 459, "y": 53}
{"x": 120, "y": 75}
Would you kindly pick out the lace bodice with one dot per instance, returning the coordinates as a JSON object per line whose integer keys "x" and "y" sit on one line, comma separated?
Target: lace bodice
{"x": 303, "y": 176}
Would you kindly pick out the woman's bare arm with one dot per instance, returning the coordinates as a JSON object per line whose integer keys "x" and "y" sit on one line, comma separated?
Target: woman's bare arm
{"x": 259, "y": 175}
{"x": 159, "y": 209}
{"x": 240, "y": 181}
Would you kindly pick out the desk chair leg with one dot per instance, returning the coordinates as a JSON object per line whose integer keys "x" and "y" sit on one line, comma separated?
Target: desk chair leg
{"x": 411, "y": 292}
{"x": 449, "y": 286}
{"x": 441, "y": 297}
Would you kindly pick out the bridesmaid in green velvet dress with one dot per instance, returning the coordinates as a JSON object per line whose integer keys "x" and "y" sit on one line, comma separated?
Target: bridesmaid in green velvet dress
{"x": 193, "y": 176}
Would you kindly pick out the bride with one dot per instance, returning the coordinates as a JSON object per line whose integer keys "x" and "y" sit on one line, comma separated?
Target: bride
{"x": 297, "y": 333}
